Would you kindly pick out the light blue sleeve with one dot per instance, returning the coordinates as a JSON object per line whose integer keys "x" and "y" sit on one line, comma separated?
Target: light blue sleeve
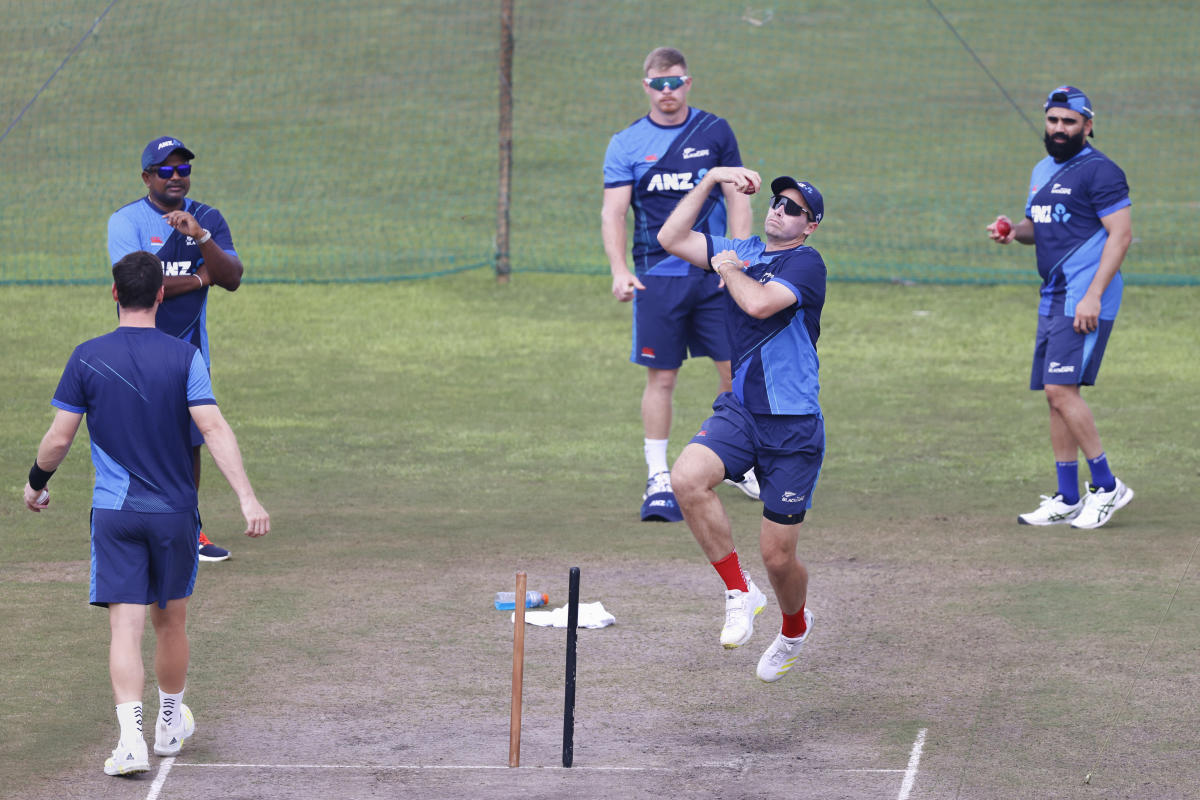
{"x": 618, "y": 171}
{"x": 122, "y": 238}
{"x": 199, "y": 387}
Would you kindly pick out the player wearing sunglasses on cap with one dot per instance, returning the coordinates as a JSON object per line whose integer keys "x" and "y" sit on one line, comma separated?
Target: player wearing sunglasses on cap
{"x": 1078, "y": 216}
{"x": 195, "y": 247}
{"x": 677, "y": 310}
{"x": 771, "y": 419}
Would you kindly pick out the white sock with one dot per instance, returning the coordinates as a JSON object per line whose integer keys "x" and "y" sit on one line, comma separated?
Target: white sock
{"x": 656, "y": 456}
{"x": 129, "y": 716}
{"x": 170, "y": 709}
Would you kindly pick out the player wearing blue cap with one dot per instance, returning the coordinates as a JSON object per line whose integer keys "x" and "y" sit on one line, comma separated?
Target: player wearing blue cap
{"x": 195, "y": 247}
{"x": 140, "y": 390}
{"x": 771, "y": 419}
{"x": 1078, "y": 217}
{"x": 650, "y": 166}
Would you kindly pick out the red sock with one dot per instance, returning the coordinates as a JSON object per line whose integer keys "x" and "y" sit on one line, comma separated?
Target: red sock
{"x": 730, "y": 570}
{"x": 794, "y": 625}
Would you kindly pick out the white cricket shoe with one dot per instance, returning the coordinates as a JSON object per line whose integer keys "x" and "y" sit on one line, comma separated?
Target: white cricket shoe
{"x": 748, "y": 484}
{"x": 128, "y": 759}
{"x": 782, "y": 654}
{"x": 658, "y": 483}
{"x": 740, "y": 610}
{"x": 1098, "y": 506}
{"x": 168, "y": 741}
{"x": 1052, "y": 511}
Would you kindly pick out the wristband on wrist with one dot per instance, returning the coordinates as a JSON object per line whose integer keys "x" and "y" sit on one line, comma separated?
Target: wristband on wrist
{"x": 717, "y": 269}
{"x": 38, "y": 477}
{"x": 197, "y": 274}
{"x": 207, "y": 235}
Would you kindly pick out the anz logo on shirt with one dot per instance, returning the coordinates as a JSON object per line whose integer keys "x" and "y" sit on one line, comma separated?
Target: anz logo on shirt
{"x": 174, "y": 268}
{"x": 1055, "y": 213}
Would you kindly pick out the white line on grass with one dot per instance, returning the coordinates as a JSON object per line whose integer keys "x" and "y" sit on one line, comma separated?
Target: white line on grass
{"x": 415, "y": 767}
{"x": 914, "y": 758}
{"x": 160, "y": 778}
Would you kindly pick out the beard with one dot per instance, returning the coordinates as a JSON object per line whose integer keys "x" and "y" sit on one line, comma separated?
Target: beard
{"x": 1064, "y": 148}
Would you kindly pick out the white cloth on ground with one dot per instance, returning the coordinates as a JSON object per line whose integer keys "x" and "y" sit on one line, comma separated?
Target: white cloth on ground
{"x": 591, "y": 615}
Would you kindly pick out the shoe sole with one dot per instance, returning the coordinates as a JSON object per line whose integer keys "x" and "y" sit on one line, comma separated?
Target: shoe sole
{"x": 110, "y": 768}
{"x": 1122, "y": 501}
{"x": 750, "y": 631}
{"x": 1063, "y": 521}
{"x": 215, "y": 558}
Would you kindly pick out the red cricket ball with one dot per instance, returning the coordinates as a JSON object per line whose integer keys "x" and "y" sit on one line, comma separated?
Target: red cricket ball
{"x": 1003, "y": 228}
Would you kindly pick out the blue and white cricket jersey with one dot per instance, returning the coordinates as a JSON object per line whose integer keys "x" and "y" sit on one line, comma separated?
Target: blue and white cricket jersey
{"x": 775, "y": 364}
{"x": 1066, "y": 203}
{"x": 135, "y": 385}
{"x": 662, "y": 164}
{"x": 140, "y": 226}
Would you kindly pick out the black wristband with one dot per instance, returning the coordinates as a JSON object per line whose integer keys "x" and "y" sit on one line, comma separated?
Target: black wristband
{"x": 38, "y": 477}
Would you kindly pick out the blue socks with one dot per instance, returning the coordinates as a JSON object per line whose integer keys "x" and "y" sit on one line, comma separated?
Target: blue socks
{"x": 1101, "y": 475}
{"x": 1068, "y": 480}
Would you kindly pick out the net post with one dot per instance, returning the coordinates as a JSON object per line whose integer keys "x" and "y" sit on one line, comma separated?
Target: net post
{"x": 504, "y": 182}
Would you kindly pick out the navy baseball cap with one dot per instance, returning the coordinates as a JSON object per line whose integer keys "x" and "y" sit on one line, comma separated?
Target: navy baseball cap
{"x": 815, "y": 203}
{"x": 1070, "y": 98}
{"x": 161, "y": 148}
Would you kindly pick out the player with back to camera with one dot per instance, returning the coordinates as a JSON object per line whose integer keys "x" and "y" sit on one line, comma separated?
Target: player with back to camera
{"x": 195, "y": 247}
{"x": 771, "y": 419}
{"x": 1078, "y": 216}
{"x": 140, "y": 389}
{"x": 650, "y": 166}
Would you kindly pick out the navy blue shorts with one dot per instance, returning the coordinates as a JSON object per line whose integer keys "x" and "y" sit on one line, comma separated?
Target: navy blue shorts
{"x": 1063, "y": 357}
{"x": 143, "y": 558}
{"x": 675, "y": 315}
{"x": 786, "y": 452}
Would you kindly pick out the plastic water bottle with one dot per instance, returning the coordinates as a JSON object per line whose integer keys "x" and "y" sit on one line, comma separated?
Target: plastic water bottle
{"x": 532, "y": 599}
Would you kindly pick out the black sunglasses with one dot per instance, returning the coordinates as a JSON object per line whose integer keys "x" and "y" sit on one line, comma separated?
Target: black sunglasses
{"x": 165, "y": 172}
{"x": 790, "y": 206}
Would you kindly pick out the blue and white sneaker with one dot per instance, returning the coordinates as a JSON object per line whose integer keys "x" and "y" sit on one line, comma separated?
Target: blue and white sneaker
{"x": 210, "y": 551}
{"x": 658, "y": 503}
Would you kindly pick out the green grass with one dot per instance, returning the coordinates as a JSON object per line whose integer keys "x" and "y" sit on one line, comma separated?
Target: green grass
{"x": 357, "y": 140}
{"x": 418, "y": 442}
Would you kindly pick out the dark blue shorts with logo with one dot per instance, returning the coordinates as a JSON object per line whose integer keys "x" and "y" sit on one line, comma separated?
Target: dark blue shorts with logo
{"x": 673, "y": 316}
{"x": 1062, "y": 357}
{"x": 786, "y": 452}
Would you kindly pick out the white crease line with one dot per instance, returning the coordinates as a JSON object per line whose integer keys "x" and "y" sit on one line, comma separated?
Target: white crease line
{"x": 160, "y": 778}
{"x": 914, "y": 758}
{"x": 416, "y": 767}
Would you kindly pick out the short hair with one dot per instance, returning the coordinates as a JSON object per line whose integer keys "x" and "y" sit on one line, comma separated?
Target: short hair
{"x": 138, "y": 277}
{"x": 664, "y": 58}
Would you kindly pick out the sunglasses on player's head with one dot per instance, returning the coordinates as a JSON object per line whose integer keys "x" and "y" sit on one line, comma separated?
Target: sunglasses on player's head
{"x": 790, "y": 206}
{"x": 165, "y": 172}
{"x": 668, "y": 82}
